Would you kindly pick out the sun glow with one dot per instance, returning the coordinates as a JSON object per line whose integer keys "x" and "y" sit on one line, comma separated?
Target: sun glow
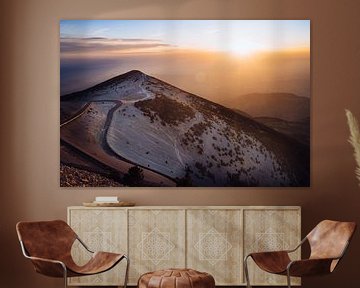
{"x": 244, "y": 51}
{"x": 208, "y": 57}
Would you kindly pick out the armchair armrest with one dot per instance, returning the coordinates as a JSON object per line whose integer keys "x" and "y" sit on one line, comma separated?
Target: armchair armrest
{"x": 49, "y": 267}
{"x": 280, "y": 252}
{"x": 298, "y": 246}
{"x": 83, "y": 244}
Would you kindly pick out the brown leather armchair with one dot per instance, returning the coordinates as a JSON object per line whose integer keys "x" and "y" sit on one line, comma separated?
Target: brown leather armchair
{"x": 328, "y": 242}
{"x": 48, "y": 245}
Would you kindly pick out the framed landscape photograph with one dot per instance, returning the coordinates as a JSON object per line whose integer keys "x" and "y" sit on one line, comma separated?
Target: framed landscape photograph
{"x": 191, "y": 103}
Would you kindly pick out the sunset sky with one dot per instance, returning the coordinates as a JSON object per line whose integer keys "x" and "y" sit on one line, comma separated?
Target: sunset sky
{"x": 211, "y": 58}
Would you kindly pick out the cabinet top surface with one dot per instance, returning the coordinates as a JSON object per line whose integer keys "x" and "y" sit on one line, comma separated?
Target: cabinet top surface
{"x": 193, "y": 207}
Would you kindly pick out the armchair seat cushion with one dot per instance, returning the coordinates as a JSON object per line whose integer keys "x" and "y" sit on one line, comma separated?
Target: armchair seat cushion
{"x": 99, "y": 262}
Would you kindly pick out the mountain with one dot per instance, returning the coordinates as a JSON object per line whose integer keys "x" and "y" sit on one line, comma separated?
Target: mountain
{"x": 285, "y": 106}
{"x": 300, "y": 130}
{"x": 175, "y": 137}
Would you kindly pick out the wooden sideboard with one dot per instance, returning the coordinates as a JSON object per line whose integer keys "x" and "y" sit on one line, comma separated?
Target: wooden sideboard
{"x": 212, "y": 239}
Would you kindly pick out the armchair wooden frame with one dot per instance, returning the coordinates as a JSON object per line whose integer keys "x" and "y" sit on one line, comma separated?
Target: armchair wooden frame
{"x": 320, "y": 261}
{"x": 100, "y": 261}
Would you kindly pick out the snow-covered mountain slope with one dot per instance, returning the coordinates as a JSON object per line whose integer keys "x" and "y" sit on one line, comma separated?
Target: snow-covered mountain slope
{"x": 186, "y": 138}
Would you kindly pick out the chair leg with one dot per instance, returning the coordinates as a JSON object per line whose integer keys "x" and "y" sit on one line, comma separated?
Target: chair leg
{"x": 246, "y": 270}
{"x": 288, "y": 278}
{"x": 127, "y": 271}
{"x": 65, "y": 276}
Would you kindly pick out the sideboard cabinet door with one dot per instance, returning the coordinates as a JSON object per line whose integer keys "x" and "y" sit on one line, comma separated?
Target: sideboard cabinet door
{"x": 156, "y": 240}
{"x": 101, "y": 230}
{"x": 270, "y": 230}
{"x": 214, "y": 244}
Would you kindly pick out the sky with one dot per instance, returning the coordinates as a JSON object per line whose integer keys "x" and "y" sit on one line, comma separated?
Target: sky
{"x": 205, "y": 57}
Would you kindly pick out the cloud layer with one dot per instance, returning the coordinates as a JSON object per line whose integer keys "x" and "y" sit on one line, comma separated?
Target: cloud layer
{"x": 101, "y": 46}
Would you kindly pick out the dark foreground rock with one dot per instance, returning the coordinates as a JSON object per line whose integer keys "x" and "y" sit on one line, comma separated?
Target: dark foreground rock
{"x": 75, "y": 177}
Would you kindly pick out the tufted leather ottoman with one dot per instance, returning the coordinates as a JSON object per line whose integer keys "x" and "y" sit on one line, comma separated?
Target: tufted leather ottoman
{"x": 176, "y": 278}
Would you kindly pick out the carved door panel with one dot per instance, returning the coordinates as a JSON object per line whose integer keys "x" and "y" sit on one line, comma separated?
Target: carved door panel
{"x": 270, "y": 230}
{"x": 214, "y": 244}
{"x": 157, "y": 240}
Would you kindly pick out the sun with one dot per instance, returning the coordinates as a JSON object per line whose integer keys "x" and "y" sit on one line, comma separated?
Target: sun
{"x": 246, "y": 48}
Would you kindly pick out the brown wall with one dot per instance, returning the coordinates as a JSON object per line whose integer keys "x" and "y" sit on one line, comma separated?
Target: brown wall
{"x": 29, "y": 119}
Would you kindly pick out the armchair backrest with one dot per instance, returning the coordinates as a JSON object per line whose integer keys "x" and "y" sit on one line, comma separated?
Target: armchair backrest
{"x": 329, "y": 239}
{"x": 46, "y": 239}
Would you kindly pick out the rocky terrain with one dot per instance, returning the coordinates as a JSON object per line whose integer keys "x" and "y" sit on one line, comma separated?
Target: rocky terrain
{"x": 72, "y": 177}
